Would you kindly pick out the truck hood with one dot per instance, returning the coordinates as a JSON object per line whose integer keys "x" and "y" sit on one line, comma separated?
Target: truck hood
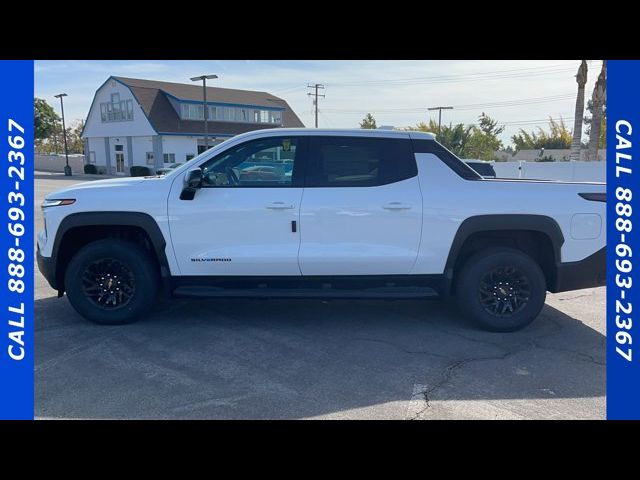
{"x": 101, "y": 185}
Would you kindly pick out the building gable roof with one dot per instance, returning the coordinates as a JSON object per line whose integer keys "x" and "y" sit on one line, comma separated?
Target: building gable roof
{"x": 152, "y": 96}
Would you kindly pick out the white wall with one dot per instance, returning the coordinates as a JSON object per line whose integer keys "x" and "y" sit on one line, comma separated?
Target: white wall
{"x": 56, "y": 163}
{"x": 180, "y": 146}
{"x": 568, "y": 171}
{"x": 97, "y": 145}
{"x": 94, "y": 126}
{"x": 141, "y": 145}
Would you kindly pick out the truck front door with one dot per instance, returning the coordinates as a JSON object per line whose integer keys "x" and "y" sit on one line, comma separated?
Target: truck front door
{"x": 244, "y": 219}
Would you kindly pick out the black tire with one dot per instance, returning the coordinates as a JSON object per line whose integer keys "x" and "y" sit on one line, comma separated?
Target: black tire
{"x": 501, "y": 289}
{"x": 125, "y": 258}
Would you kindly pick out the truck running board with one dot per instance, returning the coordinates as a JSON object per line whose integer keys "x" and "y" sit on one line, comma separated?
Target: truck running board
{"x": 366, "y": 293}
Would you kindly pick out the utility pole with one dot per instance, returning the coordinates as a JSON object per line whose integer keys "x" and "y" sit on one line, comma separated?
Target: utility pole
{"x": 316, "y": 86}
{"x": 440, "y": 115}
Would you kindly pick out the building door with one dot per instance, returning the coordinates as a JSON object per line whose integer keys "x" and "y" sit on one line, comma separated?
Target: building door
{"x": 244, "y": 219}
{"x": 119, "y": 159}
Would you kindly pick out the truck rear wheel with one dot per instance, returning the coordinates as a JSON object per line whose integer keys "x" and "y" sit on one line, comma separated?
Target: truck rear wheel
{"x": 111, "y": 281}
{"x": 501, "y": 289}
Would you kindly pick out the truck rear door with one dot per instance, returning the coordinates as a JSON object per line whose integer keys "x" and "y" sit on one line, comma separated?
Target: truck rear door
{"x": 361, "y": 210}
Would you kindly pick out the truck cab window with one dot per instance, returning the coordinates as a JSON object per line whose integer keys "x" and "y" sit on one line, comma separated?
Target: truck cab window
{"x": 267, "y": 162}
{"x": 359, "y": 162}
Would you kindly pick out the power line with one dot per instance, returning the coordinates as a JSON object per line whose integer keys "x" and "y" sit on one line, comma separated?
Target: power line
{"x": 514, "y": 103}
{"x": 496, "y": 74}
{"x": 516, "y": 123}
{"x": 470, "y": 106}
{"x": 532, "y": 122}
{"x": 489, "y": 75}
{"x": 289, "y": 90}
{"x": 315, "y": 86}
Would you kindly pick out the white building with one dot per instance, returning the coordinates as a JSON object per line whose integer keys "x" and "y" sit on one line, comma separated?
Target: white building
{"x": 146, "y": 122}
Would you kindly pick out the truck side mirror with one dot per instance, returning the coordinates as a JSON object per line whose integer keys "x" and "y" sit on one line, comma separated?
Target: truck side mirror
{"x": 192, "y": 182}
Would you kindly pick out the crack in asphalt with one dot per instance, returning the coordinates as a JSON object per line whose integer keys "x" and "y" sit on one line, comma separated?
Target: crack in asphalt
{"x": 573, "y": 298}
{"x": 449, "y": 372}
{"x": 452, "y": 368}
{"x": 398, "y": 347}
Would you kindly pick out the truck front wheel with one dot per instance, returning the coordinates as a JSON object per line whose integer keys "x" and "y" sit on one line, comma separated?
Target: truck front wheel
{"x": 501, "y": 289}
{"x": 111, "y": 281}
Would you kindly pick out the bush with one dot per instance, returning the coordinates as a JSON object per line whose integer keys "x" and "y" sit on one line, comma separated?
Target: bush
{"x": 546, "y": 158}
{"x": 90, "y": 168}
{"x": 140, "y": 171}
{"x": 102, "y": 170}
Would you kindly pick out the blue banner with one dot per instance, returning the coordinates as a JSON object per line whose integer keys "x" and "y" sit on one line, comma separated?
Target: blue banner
{"x": 623, "y": 327}
{"x": 16, "y": 240}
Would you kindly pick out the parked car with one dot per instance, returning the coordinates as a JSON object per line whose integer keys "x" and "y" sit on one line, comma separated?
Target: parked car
{"x": 364, "y": 214}
{"x": 165, "y": 170}
{"x": 483, "y": 168}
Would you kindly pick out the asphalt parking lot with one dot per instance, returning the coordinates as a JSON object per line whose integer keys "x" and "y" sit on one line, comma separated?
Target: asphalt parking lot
{"x": 292, "y": 359}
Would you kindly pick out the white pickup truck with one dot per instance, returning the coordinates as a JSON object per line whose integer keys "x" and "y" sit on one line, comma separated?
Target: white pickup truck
{"x": 324, "y": 213}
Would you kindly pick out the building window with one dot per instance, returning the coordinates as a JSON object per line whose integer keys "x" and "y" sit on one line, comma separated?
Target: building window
{"x": 92, "y": 158}
{"x": 119, "y": 148}
{"x": 150, "y": 159}
{"x": 116, "y": 110}
{"x": 276, "y": 117}
{"x": 267, "y": 116}
{"x": 189, "y": 156}
{"x": 169, "y": 158}
{"x": 184, "y": 111}
{"x": 227, "y": 114}
{"x": 193, "y": 111}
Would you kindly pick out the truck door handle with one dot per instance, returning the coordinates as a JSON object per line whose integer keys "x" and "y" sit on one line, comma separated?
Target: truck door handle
{"x": 279, "y": 206}
{"x": 396, "y": 206}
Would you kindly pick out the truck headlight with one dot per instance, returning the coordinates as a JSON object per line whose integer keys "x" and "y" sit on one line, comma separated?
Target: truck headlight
{"x": 57, "y": 202}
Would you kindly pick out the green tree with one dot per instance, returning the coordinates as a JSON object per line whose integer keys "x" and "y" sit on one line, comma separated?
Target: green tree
{"x": 559, "y": 137}
{"x": 74, "y": 141}
{"x": 45, "y": 119}
{"x": 368, "y": 122}
{"x": 484, "y": 141}
{"x": 467, "y": 141}
{"x": 453, "y": 137}
{"x": 54, "y": 143}
{"x": 489, "y": 126}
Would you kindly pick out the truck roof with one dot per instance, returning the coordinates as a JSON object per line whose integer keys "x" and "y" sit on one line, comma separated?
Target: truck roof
{"x": 363, "y": 132}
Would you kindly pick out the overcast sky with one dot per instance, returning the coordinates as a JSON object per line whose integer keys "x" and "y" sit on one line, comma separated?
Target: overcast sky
{"x": 519, "y": 94}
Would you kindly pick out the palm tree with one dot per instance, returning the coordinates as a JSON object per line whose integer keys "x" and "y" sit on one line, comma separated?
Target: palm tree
{"x": 598, "y": 99}
{"x": 581, "y": 78}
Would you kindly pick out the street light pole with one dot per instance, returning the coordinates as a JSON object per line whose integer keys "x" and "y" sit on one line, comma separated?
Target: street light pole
{"x": 67, "y": 168}
{"x": 206, "y": 110}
